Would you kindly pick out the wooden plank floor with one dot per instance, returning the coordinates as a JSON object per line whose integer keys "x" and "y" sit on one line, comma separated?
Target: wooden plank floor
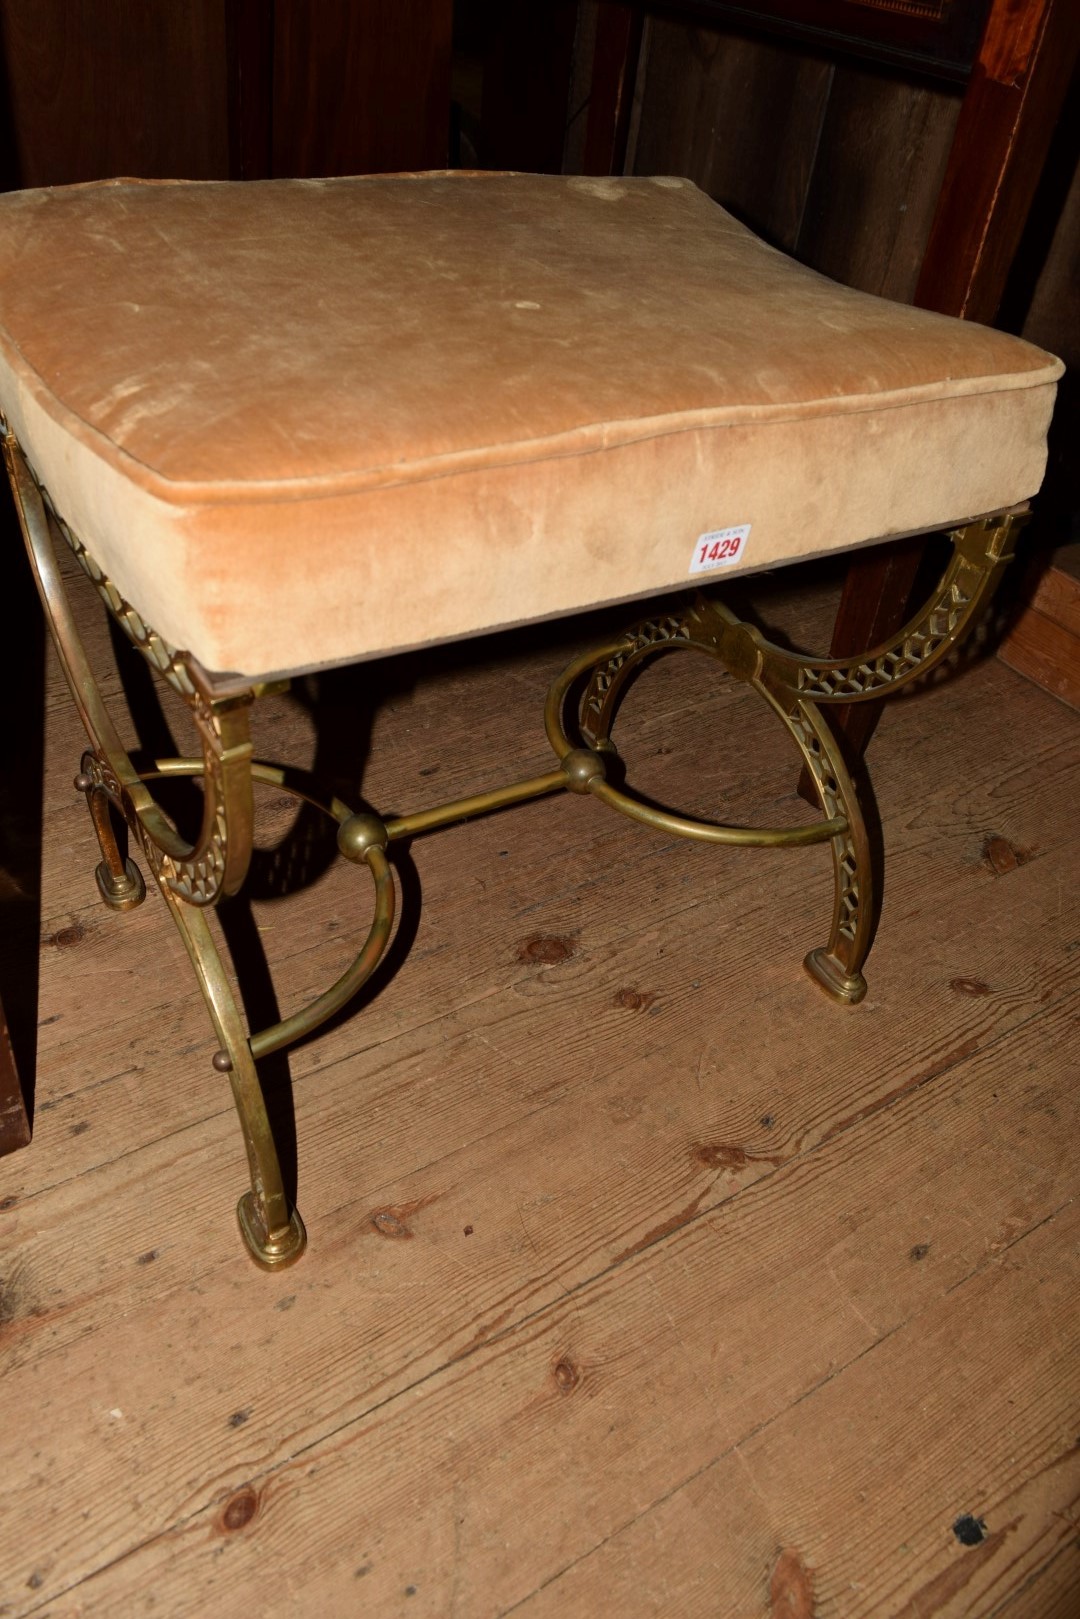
{"x": 642, "y": 1279}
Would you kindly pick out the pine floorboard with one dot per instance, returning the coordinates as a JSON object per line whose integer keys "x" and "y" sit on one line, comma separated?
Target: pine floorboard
{"x": 641, "y": 1279}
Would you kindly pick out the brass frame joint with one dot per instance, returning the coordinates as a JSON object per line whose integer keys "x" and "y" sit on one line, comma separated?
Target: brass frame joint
{"x": 360, "y": 833}
{"x": 582, "y": 767}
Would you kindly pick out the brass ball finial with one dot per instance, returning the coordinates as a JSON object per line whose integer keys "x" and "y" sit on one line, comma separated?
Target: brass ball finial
{"x": 359, "y": 834}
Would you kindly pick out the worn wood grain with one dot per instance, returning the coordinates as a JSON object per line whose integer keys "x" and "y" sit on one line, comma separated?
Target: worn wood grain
{"x": 880, "y": 163}
{"x": 578, "y": 1225}
{"x": 1043, "y": 641}
{"x": 1043, "y": 650}
{"x": 846, "y": 1504}
{"x": 709, "y": 111}
{"x": 943, "y": 1310}
{"x": 1051, "y": 1591}
{"x": 371, "y": 1120}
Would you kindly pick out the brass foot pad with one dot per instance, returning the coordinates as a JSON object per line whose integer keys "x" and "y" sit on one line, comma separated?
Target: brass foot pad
{"x": 121, "y": 893}
{"x": 279, "y": 1249}
{"x": 827, "y": 972}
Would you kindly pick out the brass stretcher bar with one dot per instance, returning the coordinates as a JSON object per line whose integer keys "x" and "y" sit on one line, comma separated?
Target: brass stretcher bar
{"x": 193, "y": 878}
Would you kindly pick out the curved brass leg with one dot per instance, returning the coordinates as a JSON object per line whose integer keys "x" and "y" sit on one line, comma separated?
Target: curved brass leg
{"x": 703, "y": 627}
{"x": 981, "y": 552}
{"x": 709, "y": 627}
{"x": 274, "y": 1232}
{"x": 838, "y": 967}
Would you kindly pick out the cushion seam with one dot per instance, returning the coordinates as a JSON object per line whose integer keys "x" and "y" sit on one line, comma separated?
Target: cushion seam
{"x": 556, "y": 446}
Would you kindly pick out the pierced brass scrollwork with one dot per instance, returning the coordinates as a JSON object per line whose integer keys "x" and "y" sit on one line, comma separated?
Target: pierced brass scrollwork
{"x": 794, "y": 686}
{"x": 217, "y": 864}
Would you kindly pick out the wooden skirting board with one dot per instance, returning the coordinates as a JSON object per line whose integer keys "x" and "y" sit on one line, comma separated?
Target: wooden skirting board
{"x": 1044, "y": 641}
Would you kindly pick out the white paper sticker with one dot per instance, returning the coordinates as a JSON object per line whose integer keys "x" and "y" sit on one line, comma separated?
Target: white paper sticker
{"x": 719, "y": 548}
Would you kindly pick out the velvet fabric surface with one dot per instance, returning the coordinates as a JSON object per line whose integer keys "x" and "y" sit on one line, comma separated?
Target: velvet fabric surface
{"x": 300, "y": 422}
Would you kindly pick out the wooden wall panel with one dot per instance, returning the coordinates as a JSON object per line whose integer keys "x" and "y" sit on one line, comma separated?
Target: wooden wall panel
{"x": 1017, "y": 92}
{"x": 1053, "y": 321}
{"x": 250, "y": 50}
{"x": 879, "y": 169}
{"x": 838, "y": 163}
{"x": 1053, "y": 318}
{"x": 360, "y": 89}
{"x": 740, "y": 117}
{"x": 105, "y": 87}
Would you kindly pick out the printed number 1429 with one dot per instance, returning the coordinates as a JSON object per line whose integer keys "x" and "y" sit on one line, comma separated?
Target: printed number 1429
{"x": 725, "y": 550}
{"x": 719, "y": 548}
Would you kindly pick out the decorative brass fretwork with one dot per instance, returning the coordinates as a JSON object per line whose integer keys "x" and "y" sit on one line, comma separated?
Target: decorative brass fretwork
{"x": 169, "y": 664}
{"x": 820, "y": 756}
{"x": 648, "y": 637}
{"x": 794, "y": 686}
{"x": 980, "y": 553}
{"x": 194, "y": 878}
{"x": 199, "y": 874}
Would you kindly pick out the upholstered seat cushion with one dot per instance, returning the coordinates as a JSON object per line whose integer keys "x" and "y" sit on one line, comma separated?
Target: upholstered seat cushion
{"x": 300, "y": 422}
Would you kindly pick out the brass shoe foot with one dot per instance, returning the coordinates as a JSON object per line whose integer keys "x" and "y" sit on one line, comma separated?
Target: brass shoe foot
{"x": 826, "y": 971}
{"x": 121, "y": 893}
{"x": 279, "y": 1248}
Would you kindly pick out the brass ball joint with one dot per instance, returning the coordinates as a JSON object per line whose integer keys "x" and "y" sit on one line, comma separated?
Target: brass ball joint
{"x": 356, "y": 836}
{"x": 581, "y": 767}
{"x": 360, "y": 833}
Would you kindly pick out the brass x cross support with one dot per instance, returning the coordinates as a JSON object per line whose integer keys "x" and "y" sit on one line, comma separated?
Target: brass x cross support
{"x": 794, "y": 686}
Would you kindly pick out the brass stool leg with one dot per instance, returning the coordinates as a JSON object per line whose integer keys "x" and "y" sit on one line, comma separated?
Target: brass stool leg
{"x": 274, "y": 1233}
{"x": 120, "y": 882}
{"x": 838, "y": 966}
{"x": 794, "y": 686}
{"x": 191, "y": 877}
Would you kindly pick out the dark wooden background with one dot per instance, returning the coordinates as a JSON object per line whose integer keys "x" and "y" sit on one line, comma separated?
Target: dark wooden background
{"x": 838, "y": 161}
{"x": 220, "y": 89}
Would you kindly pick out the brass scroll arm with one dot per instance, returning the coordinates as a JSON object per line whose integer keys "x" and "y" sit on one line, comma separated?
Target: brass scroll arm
{"x": 981, "y": 552}
{"x": 217, "y": 862}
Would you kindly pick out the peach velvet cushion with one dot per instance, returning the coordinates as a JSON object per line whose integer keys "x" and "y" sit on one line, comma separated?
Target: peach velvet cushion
{"x": 307, "y": 421}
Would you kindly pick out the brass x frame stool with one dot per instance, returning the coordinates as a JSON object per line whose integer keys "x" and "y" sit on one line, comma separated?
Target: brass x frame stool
{"x": 193, "y": 878}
